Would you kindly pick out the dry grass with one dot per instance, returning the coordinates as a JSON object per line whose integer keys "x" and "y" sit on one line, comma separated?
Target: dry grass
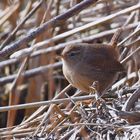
{"x": 36, "y": 100}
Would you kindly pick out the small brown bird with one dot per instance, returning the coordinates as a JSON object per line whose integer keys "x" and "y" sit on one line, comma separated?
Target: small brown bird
{"x": 84, "y": 63}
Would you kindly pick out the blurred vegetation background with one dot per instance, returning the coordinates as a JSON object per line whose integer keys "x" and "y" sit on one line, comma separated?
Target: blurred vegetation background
{"x": 29, "y": 68}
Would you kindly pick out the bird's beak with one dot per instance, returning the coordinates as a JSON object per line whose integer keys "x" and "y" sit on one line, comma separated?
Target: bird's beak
{"x": 59, "y": 57}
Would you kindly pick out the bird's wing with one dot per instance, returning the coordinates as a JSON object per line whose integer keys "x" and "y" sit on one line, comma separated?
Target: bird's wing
{"x": 103, "y": 62}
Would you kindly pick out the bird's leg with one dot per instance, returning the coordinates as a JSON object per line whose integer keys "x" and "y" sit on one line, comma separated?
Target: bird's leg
{"x": 94, "y": 88}
{"x": 100, "y": 103}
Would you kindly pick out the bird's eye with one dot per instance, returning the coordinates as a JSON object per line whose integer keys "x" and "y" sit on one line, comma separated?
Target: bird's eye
{"x": 73, "y": 53}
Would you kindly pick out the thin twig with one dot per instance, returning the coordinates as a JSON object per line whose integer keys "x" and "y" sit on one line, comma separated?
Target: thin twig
{"x": 30, "y": 73}
{"x": 37, "y": 104}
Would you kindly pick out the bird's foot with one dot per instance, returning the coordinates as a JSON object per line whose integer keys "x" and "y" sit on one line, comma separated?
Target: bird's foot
{"x": 94, "y": 88}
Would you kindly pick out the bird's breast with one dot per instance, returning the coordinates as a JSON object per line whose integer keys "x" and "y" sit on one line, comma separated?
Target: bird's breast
{"x": 68, "y": 71}
{"x": 74, "y": 77}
